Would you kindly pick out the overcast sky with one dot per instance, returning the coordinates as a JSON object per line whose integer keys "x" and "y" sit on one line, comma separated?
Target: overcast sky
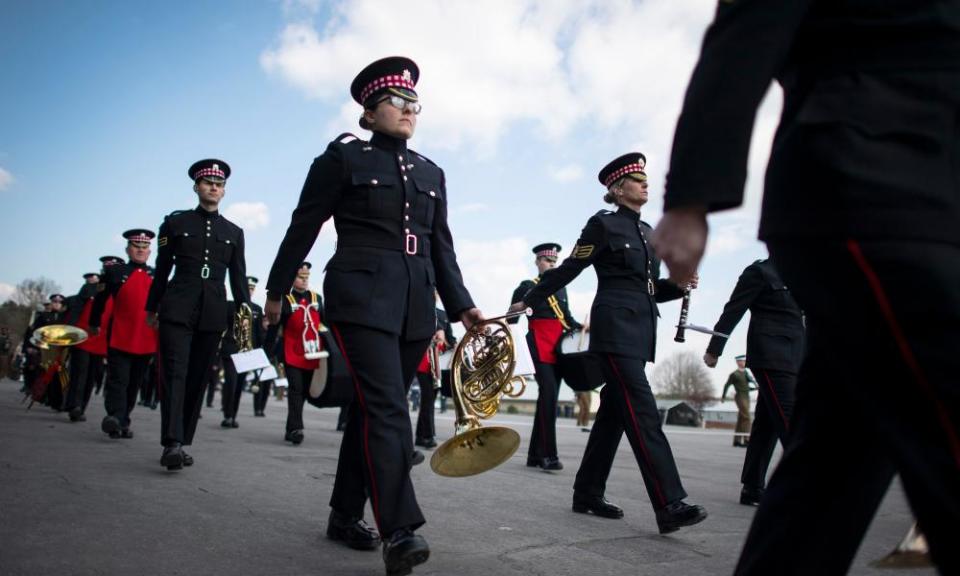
{"x": 105, "y": 104}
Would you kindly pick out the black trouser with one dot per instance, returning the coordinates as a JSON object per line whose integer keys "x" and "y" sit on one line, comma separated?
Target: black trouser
{"x": 878, "y": 394}
{"x": 148, "y": 389}
{"x": 377, "y": 446}
{"x": 95, "y": 372}
{"x": 124, "y": 377}
{"x": 80, "y": 363}
{"x": 425, "y": 427}
{"x": 212, "y": 378}
{"x": 55, "y": 396}
{"x": 627, "y": 405}
{"x": 343, "y": 416}
{"x": 232, "y": 388}
{"x": 186, "y": 355}
{"x": 260, "y": 398}
{"x": 775, "y": 399}
{"x": 543, "y": 437}
{"x": 298, "y": 381}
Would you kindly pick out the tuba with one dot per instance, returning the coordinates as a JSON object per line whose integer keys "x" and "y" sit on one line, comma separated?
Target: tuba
{"x": 482, "y": 372}
{"x": 54, "y": 342}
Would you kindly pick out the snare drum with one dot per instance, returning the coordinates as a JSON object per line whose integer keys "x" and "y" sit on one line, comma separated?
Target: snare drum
{"x": 579, "y": 368}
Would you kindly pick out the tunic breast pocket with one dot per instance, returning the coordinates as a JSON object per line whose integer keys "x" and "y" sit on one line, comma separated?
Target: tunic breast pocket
{"x": 223, "y": 247}
{"x": 428, "y": 195}
{"x": 187, "y": 242}
{"x": 379, "y": 193}
{"x": 631, "y": 252}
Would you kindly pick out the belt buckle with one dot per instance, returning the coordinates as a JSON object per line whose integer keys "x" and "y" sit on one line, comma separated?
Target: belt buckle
{"x": 205, "y": 272}
{"x": 411, "y": 244}
{"x": 650, "y": 287}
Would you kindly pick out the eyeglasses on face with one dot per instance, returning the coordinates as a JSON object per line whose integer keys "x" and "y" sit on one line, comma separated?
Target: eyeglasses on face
{"x": 402, "y": 104}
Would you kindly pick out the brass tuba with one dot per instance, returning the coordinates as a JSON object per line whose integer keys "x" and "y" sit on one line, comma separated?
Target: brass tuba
{"x": 54, "y": 342}
{"x": 482, "y": 371}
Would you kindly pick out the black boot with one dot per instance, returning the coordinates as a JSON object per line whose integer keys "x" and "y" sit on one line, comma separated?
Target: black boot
{"x": 596, "y": 505}
{"x": 172, "y": 457}
{"x": 679, "y": 514}
{"x": 403, "y": 551}
{"x": 110, "y": 426}
{"x": 750, "y": 495}
{"x": 353, "y": 532}
{"x": 294, "y": 436}
{"x": 551, "y": 463}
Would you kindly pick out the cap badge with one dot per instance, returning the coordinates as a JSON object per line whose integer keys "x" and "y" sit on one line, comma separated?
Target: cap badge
{"x": 407, "y": 76}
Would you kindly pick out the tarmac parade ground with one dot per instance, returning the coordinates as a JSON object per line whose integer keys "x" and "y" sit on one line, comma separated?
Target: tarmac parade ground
{"x": 74, "y": 502}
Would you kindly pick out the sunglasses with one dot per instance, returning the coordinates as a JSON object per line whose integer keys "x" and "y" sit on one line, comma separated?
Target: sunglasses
{"x": 402, "y": 104}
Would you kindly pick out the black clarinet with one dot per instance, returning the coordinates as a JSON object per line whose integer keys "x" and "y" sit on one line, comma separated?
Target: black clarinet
{"x": 684, "y": 310}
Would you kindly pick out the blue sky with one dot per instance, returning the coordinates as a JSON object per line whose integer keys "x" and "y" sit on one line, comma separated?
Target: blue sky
{"x": 105, "y": 104}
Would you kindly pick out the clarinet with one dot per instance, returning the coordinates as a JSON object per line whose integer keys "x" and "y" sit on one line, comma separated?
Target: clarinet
{"x": 684, "y": 310}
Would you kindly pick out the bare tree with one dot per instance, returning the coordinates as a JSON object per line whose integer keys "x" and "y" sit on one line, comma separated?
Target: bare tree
{"x": 33, "y": 292}
{"x": 684, "y": 376}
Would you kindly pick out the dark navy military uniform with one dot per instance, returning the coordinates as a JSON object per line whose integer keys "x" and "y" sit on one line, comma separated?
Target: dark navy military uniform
{"x": 549, "y": 321}
{"x": 623, "y": 329}
{"x": 232, "y": 386}
{"x": 861, "y": 215}
{"x": 389, "y": 206}
{"x": 775, "y": 347}
{"x": 200, "y": 247}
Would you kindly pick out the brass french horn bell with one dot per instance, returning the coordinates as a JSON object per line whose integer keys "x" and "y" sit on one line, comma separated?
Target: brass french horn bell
{"x": 482, "y": 372}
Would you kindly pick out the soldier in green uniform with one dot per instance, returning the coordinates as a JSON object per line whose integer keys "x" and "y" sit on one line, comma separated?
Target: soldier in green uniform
{"x": 740, "y": 379}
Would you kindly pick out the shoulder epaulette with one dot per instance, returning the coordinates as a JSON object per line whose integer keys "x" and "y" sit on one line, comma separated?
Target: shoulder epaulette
{"x": 175, "y": 213}
{"x": 604, "y": 213}
{"x": 346, "y": 138}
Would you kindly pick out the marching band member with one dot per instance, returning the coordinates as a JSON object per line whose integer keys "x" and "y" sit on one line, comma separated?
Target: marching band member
{"x": 301, "y": 319}
{"x": 86, "y": 358}
{"x": 131, "y": 343}
{"x": 550, "y": 320}
{"x": 233, "y": 388}
{"x": 624, "y": 328}
{"x": 35, "y": 378}
{"x": 389, "y": 205}
{"x": 191, "y": 310}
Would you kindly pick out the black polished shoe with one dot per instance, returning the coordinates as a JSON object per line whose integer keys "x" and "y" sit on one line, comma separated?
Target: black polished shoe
{"x": 596, "y": 505}
{"x": 353, "y": 532}
{"x": 259, "y": 414}
{"x": 417, "y": 458}
{"x": 76, "y": 415}
{"x": 295, "y": 436}
{"x": 533, "y": 462}
{"x": 551, "y": 464}
{"x": 233, "y": 423}
{"x": 751, "y": 495}
{"x": 187, "y": 459}
{"x": 126, "y": 433}
{"x": 225, "y": 423}
{"x": 679, "y": 514}
{"x": 403, "y": 551}
{"x": 110, "y": 426}
{"x": 426, "y": 442}
{"x": 172, "y": 457}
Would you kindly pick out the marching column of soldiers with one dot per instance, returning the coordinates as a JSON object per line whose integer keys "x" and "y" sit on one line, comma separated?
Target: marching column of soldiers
{"x": 395, "y": 249}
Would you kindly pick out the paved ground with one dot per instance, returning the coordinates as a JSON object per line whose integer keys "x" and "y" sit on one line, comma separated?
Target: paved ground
{"x": 74, "y": 502}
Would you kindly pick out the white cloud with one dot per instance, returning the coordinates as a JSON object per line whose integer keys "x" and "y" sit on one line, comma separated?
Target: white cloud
{"x": 6, "y": 179}
{"x": 248, "y": 215}
{"x": 471, "y": 208}
{"x": 567, "y": 173}
{"x": 492, "y": 269}
{"x": 6, "y": 291}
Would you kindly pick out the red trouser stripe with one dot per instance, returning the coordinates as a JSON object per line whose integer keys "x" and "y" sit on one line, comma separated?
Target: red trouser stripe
{"x": 366, "y": 427}
{"x": 776, "y": 401}
{"x": 905, "y": 351}
{"x": 636, "y": 429}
